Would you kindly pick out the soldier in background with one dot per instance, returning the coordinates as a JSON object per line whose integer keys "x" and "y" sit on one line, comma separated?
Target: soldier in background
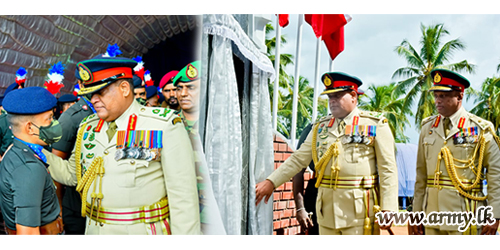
{"x": 354, "y": 156}
{"x": 456, "y": 152}
{"x": 169, "y": 91}
{"x": 70, "y": 200}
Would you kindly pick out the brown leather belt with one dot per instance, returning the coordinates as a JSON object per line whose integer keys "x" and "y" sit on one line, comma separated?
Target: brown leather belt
{"x": 53, "y": 228}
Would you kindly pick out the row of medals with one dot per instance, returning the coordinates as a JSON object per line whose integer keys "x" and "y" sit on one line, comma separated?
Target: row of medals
{"x": 138, "y": 153}
{"x": 346, "y": 139}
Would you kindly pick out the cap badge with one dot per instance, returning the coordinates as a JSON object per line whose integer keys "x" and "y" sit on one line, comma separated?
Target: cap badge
{"x": 327, "y": 81}
{"x": 437, "y": 78}
{"x": 84, "y": 73}
{"x": 191, "y": 72}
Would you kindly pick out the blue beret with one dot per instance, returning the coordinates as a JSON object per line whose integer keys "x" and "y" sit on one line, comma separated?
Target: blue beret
{"x": 29, "y": 101}
{"x": 67, "y": 98}
{"x": 10, "y": 88}
{"x": 151, "y": 91}
{"x": 137, "y": 82}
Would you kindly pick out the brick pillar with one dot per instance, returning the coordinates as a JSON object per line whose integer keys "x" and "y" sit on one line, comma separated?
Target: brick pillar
{"x": 284, "y": 221}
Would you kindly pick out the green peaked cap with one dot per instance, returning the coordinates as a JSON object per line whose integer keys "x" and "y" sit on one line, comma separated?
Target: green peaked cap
{"x": 188, "y": 74}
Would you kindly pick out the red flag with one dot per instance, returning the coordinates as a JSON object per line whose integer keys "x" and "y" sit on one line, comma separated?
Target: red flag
{"x": 331, "y": 29}
{"x": 283, "y": 20}
{"x": 326, "y": 24}
{"x": 335, "y": 43}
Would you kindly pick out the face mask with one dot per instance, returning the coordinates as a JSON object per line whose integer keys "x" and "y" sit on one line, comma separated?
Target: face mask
{"x": 50, "y": 134}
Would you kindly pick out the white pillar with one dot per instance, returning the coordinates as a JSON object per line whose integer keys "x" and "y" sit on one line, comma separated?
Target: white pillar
{"x": 296, "y": 82}
{"x": 316, "y": 85}
{"x": 277, "y": 68}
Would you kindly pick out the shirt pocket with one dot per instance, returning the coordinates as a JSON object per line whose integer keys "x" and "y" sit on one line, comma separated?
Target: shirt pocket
{"x": 126, "y": 172}
{"x": 428, "y": 144}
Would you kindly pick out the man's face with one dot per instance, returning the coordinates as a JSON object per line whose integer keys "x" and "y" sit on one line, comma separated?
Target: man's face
{"x": 188, "y": 95}
{"x": 152, "y": 102}
{"x": 111, "y": 101}
{"x": 39, "y": 120}
{"x": 140, "y": 93}
{"x": 342, "y": 103}
{"x": 447, "y": 103}
{"x": 170, "y": 93}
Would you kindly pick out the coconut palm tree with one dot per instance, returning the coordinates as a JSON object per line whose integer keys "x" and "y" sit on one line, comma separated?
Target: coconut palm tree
{"x": 304, "y": 106}
{"x": 487, "y": 101}
{"x": 387, "y": 100}
{"x": 433, "y": 54}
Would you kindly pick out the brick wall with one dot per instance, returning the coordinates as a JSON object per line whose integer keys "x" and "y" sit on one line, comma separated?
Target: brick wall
{"x": 284, "y": 221}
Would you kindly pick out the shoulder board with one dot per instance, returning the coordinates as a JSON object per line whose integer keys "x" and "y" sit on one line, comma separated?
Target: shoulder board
{"x": 428, "y": 119}
{"x": 323, "y": 119}
{"x": 157, "y": 113}
{"x": 371, "y": 114}
{"x": 90, "y": 118}
{"x": 482, "y": 123}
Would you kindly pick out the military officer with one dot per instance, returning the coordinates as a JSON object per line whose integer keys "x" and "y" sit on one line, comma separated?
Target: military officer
{"x": 133, "y": 165}
{"x": 187, "y": 85}
{"x": 456, "y": 151}
{"x": 188, "y": 79}
{"x": 152, "y": 97}
{"x": 29, "y": 204}
{"x": 139, "y": 90}
{"x": 169, "y": 91}
{"x": 355, "y": 164}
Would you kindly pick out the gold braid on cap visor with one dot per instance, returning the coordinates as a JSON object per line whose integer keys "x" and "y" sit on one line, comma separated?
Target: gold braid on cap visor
{"x": 105, "y": 82}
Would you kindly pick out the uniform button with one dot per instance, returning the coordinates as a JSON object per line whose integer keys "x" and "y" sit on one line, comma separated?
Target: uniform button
{"x": 356, "y": 145}
{"x": 143, "y": 109}
{"x": 132, "y": 162}
{"x": 106, "y": 152}
{"x": 83, "y": 161}
{"x": 25, "y": 150}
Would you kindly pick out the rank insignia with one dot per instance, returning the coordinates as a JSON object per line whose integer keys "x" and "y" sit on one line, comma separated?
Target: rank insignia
{"x": 156, "y": 111}
{"x": 90, "y": 156}
{"x": 176, "y": 120}
{"x": 89, "y": 146}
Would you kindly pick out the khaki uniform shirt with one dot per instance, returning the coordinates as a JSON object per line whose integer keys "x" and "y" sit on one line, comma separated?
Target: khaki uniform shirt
{"x": 432, "y": 139}
{"x": 132, "y": 183}
{"x": 343, "y": 208}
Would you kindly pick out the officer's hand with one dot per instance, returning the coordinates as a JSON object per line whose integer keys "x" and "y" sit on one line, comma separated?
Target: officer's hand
{"x": 304, "y": 220}
{"x": 490, "y": 229}
{"x": 263, "y": 189}
{"x": 415, "y": 230}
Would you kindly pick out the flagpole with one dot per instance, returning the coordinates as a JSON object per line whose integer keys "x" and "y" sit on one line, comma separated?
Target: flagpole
{"x": 277, "y": 68}
{"x": 316, "y": 81}
{"x": 296, "y": 82}
{"x": 331, "y": 65}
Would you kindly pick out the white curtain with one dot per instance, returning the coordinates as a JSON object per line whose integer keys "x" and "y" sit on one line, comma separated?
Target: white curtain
{"x": 229, "y": 147}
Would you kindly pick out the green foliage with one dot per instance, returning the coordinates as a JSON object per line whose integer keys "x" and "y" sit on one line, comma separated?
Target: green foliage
{"x": 390, "y": 102}
{"x": 433, "y": 54}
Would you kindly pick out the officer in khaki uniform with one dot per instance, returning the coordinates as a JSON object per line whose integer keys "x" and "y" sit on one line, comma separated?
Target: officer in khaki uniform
{"x": 354, "y": 157}
{"x": 450, "y": 147}
{"x": 133, "y": 165}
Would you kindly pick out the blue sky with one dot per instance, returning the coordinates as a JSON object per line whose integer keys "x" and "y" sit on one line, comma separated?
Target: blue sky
{"x": 370, "y": 40}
